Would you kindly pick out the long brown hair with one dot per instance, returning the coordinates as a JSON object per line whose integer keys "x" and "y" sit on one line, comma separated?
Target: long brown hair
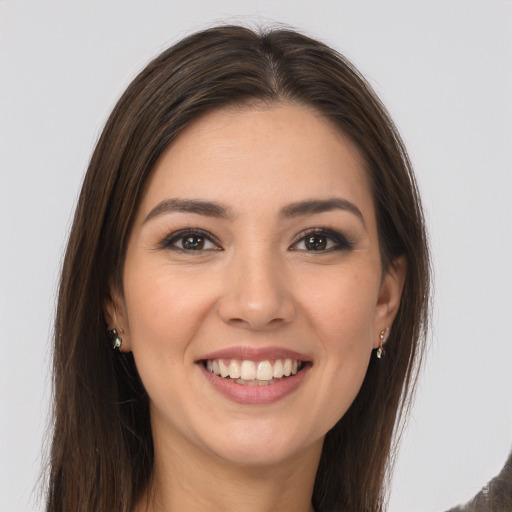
{"x": 102, "y": 453}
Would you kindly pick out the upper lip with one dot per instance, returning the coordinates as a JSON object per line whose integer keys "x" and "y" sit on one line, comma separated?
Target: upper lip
{"x": 255, "y": 354}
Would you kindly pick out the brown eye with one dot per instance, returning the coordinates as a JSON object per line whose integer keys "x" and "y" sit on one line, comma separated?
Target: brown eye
{"x": 321, "y": 240}
{"x": 192, "y": 242}
{"x": 315, "y": 243}
{"x": 187, "y": 240}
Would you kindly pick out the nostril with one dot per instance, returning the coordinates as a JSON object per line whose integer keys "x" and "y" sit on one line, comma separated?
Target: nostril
{"x": 238, "y": 322}
{"x": 277, "y": 321}
{"x": 256, "y": 323}
{"x": 245, "y": 310}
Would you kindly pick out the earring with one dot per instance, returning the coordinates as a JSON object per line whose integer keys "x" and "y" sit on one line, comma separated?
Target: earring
{"x": 382, "y": 336}
{"x": 115, "y": 339}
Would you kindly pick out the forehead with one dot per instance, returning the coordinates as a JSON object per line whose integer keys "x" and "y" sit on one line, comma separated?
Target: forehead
{"x": 260, "y": 157}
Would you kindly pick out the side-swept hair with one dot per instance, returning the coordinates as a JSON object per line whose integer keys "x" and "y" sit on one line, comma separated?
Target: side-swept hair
{"x": 102, "y": 453}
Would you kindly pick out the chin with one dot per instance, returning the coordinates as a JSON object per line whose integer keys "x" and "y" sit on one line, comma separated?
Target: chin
{"x": 257, "y": 444}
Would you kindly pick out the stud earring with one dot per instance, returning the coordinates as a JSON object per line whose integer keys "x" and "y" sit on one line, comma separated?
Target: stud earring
{"x": 115, "y": 339}
{"x": 382, "y": 336}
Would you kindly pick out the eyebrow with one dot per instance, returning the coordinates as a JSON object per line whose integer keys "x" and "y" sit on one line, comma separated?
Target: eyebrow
{"x": 217, "y": 210}
{"x": 198, "y": 207}
{"x": 314, "y": 206}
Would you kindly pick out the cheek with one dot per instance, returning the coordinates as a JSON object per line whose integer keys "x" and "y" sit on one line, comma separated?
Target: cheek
{"x": 341, "y": 313}
{"x": 165, "y": 308}
{"x": 341, "y": 307}
{"x": 165, "y": 311}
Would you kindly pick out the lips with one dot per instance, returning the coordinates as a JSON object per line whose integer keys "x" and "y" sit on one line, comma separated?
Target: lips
{"x": 255, "y": 376}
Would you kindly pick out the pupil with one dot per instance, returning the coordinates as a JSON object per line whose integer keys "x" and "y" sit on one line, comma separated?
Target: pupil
{"x": 194, "y": 242}
{"x": 316, "y": 243}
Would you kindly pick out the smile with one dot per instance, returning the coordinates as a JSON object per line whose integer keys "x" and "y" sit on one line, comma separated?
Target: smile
{"x": 254, "y": 373}
{"x": 255, "y": 376}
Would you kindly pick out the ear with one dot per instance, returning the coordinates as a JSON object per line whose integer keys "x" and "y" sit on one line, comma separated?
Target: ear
{"x": 389, "y": 298}
{"x": 114, "y": 309}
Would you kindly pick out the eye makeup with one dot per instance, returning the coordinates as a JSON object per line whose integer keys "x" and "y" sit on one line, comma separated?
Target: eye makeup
{"x": 190, "y": 240}
{"x": 315, "y": 240}
{"x": 321, "y": 240}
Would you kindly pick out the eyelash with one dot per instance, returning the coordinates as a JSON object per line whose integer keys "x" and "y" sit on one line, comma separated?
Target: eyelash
{"x": 340, "y": 241}
{"x": 182, "y": 234}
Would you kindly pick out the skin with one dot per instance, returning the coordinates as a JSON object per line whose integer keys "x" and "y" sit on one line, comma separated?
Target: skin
{"x": 256, "y": 283}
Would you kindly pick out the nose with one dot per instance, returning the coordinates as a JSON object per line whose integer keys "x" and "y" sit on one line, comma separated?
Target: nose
{"x": 256, "y": 295}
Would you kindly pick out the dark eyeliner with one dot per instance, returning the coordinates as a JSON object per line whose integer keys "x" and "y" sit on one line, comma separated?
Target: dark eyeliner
{"x": 170, "y": 240}
{"x": 342, "y": 242}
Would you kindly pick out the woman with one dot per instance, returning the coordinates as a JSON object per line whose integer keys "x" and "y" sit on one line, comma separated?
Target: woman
{"x": 245, "y": 289}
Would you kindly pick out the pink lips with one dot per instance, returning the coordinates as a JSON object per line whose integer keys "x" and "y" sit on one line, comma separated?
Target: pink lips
{"x": 255, "y": 354}
{"x": 255, "y": 395}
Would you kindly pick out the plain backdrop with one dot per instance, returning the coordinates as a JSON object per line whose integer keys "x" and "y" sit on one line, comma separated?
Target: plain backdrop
{"x": 443, "y": 68}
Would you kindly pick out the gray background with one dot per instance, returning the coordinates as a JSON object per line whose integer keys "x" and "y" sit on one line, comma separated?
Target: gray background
{"x": 443, "y": 68}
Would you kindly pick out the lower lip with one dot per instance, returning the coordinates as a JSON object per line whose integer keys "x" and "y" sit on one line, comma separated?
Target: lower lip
{"x": 255, "y": 395}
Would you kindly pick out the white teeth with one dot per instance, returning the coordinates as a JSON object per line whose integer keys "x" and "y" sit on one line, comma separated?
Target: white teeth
{"x": 234, "y": 370}
{"x": 265, "y": 371}
{"x": 248, "y": 370}
{"x": 278, "y": 369}
{"x": 287, "y": 367}
{"x": 224, "y": 370}
{"x": 253, "y": 373}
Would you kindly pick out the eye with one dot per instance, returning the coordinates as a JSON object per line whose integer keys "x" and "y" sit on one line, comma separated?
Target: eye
{"x": 190, "y": 241}
{"x": 321, "y": 240}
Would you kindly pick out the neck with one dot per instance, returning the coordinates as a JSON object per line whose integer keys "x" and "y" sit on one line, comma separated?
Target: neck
{"x": 186, "y": 479}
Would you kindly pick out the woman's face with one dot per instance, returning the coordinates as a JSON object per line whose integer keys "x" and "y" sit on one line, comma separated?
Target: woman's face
{"x": 254, "y": 253}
